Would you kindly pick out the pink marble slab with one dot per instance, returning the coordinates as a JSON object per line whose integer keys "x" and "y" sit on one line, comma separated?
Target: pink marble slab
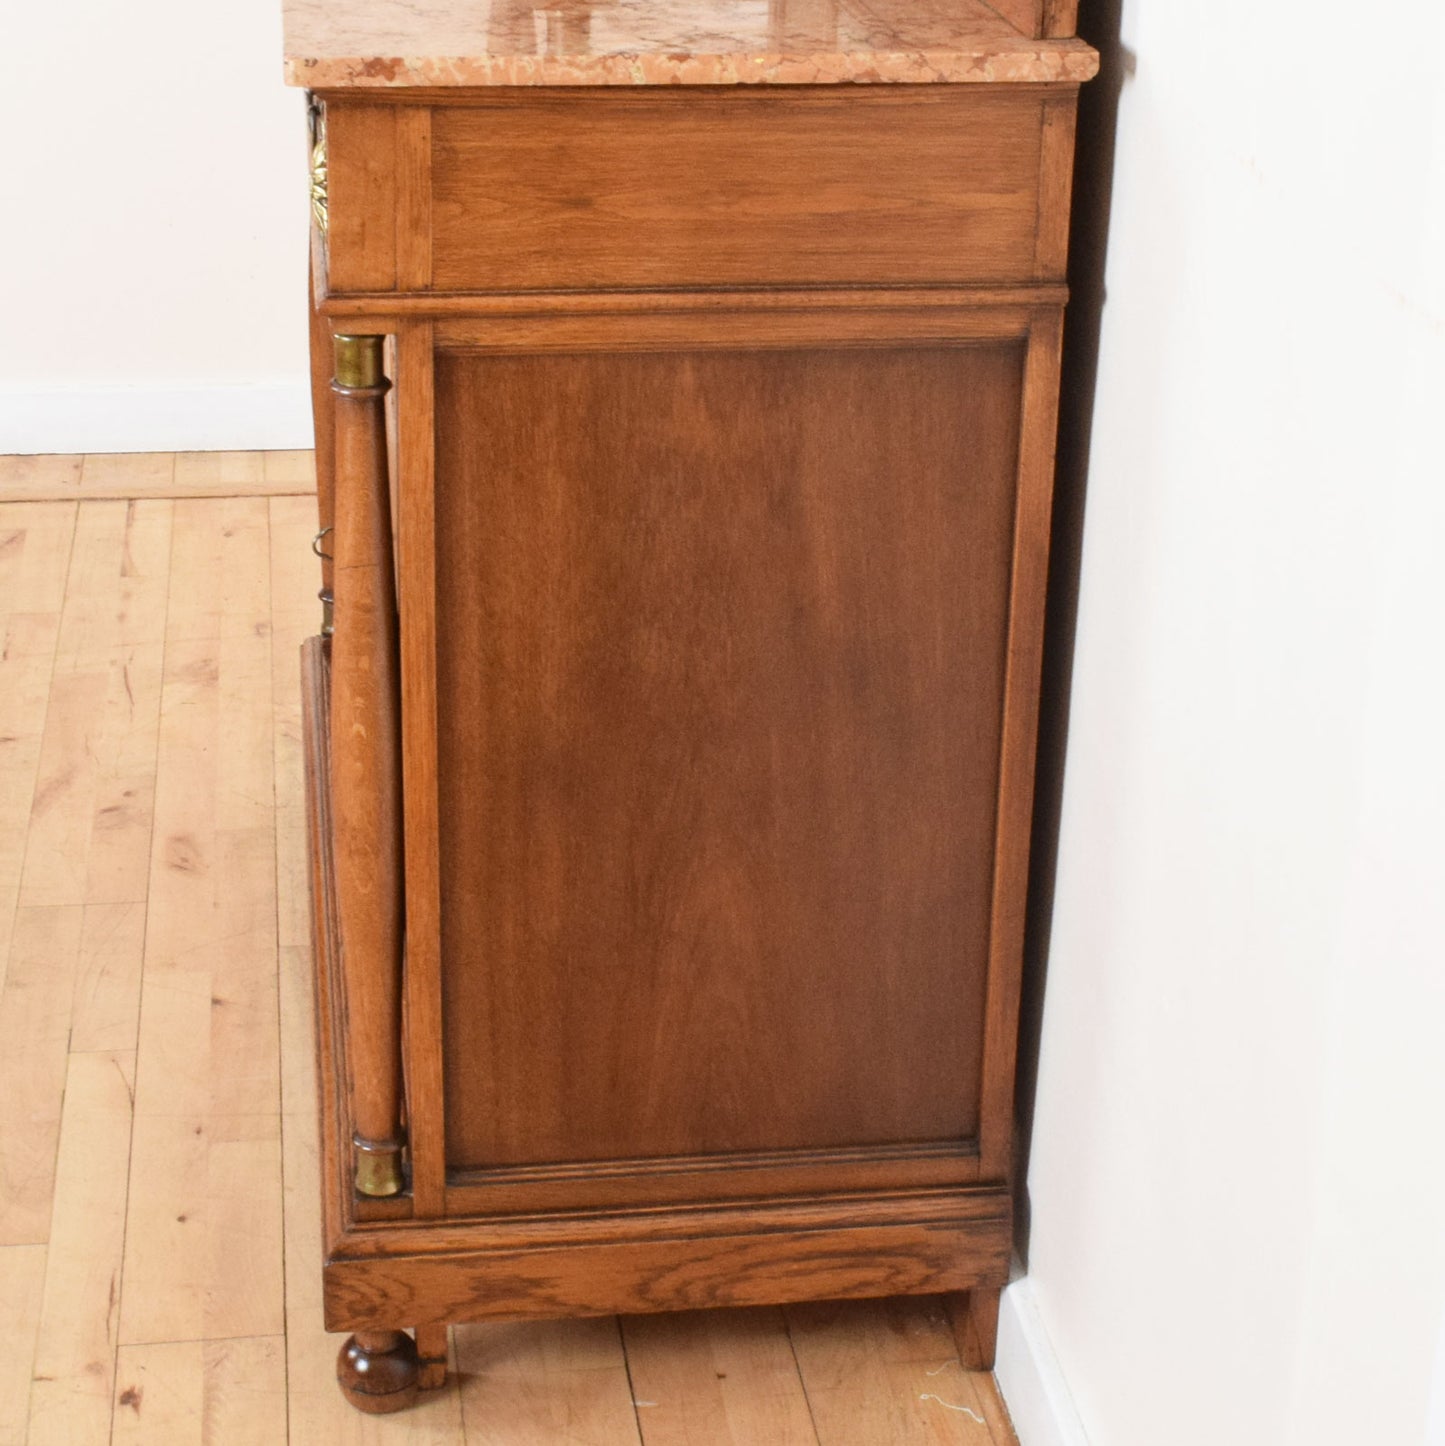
{"x": 346, "y": 43}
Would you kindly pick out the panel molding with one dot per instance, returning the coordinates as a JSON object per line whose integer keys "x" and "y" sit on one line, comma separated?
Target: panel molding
{"x": 738, "y": 1175}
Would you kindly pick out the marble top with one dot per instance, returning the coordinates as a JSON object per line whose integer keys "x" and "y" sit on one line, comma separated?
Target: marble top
{"x": 346, "y": 43}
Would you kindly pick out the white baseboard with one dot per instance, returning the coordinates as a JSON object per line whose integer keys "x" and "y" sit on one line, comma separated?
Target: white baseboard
{"x": 1029, "y": 1376}
{"x": 240, "y": 417}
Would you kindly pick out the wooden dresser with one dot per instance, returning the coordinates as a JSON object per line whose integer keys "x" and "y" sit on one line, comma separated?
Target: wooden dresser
{"x": 685, "y": 381}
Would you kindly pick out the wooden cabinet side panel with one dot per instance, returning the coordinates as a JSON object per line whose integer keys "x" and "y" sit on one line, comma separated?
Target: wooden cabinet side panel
{"x": 723, "y": 686}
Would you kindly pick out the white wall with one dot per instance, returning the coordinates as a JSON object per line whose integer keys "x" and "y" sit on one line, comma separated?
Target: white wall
{"x": 1238, "y": 1171}
{"x": 152, "y": 257}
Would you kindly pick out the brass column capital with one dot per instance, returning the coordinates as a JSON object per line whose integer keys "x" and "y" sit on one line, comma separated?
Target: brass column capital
{"x": 358, "y": 363}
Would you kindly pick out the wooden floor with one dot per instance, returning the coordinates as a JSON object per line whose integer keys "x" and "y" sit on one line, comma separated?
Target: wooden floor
{"x": 159, "y": 1223}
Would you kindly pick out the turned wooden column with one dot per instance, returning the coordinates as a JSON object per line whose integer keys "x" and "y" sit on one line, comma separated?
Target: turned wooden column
{"x": 366, "y": 764}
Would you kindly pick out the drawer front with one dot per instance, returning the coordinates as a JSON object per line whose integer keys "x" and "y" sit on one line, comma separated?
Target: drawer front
{"x": 586, "y": 189}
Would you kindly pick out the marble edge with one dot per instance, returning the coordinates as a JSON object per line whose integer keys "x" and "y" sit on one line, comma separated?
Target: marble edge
{"x": 1047, "y": 62}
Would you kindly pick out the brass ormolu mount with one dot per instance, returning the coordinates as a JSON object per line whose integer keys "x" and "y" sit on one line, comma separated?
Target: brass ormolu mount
{"x": 318, "y": 167}
{"x": 378, "y": 1170}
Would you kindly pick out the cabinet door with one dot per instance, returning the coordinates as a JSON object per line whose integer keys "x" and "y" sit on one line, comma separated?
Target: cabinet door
{"x": 720, "y": 673}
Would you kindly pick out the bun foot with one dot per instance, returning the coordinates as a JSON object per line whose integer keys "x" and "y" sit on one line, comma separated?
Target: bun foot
{"x": 378, "y": 1371}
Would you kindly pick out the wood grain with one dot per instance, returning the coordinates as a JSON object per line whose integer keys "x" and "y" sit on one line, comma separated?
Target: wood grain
{"x": 105, "y": 1005}
{"x": 974, "y": 1315}
{"x": 420, "y": 603}
{"x": 35, "y": 555}
{"x": 886, "y": 1374}
{"x": 360, "y": 241}
{"x": 22, "y": 1273}
{"x": 90, "y": 828}
{"x": 724, "y": 1377}
{"x": 64, "y": 805}
{"x": 154, "y": 476}
{"x": 43, "y": 478}
{"x": 1061, "y": 18}
{"x": 365, "y": 775}
{"x": 904, "y": 316}
{"x": 541, "y": 1381}
{"x": 1020, "y": 724}
{"x": 1056, "y": 181}
{"x": 128, "y": 474}
{"x": 760, "y": 1255}
{"x": 664, "y": 188}
{"x": 35, "y": 1007}
{"x": 726, "y": 861}
{"x": 194, "y": 1393}
{"x": 693, "y": 1179}
{"x": 72, "y": 1392}
{"x": 208, "y": 1012}
{"x": 27, "y": 655}
{"x": 204, "y": 1226}
{"x": 413, "y": 198}
{"x": 118, "y": 595}
{"x": 203, "y": 1229}
{"x": 373, "y": 309}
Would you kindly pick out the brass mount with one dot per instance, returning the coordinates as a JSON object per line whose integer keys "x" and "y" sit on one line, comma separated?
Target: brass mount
{"x": 358, "y": 363}
{"x": 318, "y": 167}
{"x": 378, "y": 1171}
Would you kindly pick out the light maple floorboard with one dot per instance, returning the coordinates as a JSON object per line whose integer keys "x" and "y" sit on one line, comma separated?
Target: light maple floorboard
{"x": 51, "y": 478}
{"x": 160, "y": 1229}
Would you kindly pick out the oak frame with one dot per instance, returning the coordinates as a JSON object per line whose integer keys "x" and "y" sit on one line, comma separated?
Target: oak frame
{"x": 944, "y": 1207}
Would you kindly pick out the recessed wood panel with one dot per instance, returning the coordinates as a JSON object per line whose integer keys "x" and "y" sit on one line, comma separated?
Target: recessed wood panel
{"x": 722, "y": 638}
{"x": 736, "y": 187}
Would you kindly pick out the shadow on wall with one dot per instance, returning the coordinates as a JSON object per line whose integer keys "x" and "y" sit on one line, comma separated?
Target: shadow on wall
{"x": 1093, "y": 185}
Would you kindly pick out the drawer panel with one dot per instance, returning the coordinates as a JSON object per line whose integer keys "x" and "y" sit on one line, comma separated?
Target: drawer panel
{"x": 723, "y": 187}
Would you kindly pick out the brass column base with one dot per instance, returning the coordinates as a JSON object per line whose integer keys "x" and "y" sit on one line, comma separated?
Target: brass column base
{"x": 377, "y": 1167}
